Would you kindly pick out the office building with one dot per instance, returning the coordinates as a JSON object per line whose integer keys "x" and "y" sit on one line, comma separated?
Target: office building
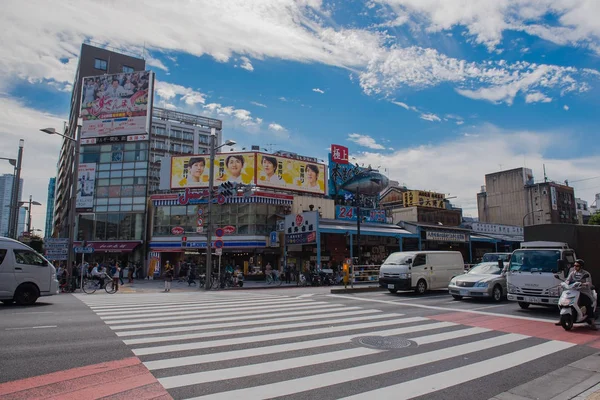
{"x": 50, "y": 208}
{"x": 6, "y": 191}
{"x": 93, "y": 61}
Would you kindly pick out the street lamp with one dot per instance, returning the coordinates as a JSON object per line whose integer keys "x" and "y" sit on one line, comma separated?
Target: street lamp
{"x": 72, "y": 211}
{"x": 13, "y": 218}
{"x": 529, "y": 213}
{"x": 31, "y": 203}
{"x": 11, "y": 210}
{"x": 211, "y": 167}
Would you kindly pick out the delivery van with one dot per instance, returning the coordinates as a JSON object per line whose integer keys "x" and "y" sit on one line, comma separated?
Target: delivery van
{"x": 420, "y": 270}
{"x": 25, "y": 275}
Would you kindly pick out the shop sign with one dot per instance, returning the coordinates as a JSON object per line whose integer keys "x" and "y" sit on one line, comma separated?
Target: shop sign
{"x": 301, "y": 238}
{"x": 301, "y": 228}
{"x": 423, "y": 198}
{"x": 339, "y": 154}
{"x": 274, "y": 239}
{"x": 446, "y": 236}
{"x": 178, "y": 230}
{"x": 553, "y": 198}
{"x": 368, "y": 214}
{"x": 192, "y": 197}
{"x": 481, "y": 227}
{"x": 228, "y": 230}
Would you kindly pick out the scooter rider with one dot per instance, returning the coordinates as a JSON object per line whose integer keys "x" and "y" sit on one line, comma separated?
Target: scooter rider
{"x": 578, "y": 274}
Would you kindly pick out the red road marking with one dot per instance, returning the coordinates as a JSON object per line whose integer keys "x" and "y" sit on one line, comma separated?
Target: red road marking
{"x": 544, "y": 330}
{"x": 121, "y": 379}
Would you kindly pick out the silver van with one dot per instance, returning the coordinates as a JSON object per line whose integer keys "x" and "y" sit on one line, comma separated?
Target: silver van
{"x": 25, "y": 275}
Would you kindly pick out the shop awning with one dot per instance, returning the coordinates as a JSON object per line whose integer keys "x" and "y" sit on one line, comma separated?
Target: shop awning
{"x": 502, "y": 238}
{"x": 365, "y": 229}
{"x": 112, "y": 246}
{"x": 477, "y": 238}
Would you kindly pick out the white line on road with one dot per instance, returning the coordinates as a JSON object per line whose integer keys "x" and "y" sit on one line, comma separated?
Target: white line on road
{"x": 486, "y": 307}
{"x": 306, "y": 295}
{"x": 31, "y": 327}
{"x": 33, "y": 312}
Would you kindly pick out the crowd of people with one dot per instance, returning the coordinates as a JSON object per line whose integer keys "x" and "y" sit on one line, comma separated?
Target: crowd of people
{"x": 98, "y": 271}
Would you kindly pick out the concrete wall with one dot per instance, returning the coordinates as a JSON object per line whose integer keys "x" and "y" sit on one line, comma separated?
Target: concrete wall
{"x": 408, "y": 214}
{"x": 505, "y": 198}
{"x": 325, "y": 206}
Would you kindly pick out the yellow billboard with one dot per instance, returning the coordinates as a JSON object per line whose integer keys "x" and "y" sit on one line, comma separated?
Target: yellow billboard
{"x": 290, "y": 174}
{"x": 423, "y": 198}
{"x": 192, "y": 171}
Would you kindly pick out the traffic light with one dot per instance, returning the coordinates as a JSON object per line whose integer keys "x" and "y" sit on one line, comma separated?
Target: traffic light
{"x": 227, "y": 189}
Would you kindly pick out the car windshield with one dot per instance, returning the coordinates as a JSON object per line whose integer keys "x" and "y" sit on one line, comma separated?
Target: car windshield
{"x": 485, "y": 268}
{"x": 535, "y": 260}
{"x": 493, "y": 257}
{"x": 396, "y": 259}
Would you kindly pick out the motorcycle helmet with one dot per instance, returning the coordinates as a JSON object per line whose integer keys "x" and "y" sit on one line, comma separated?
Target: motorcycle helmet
{"x": 580, "y": 262}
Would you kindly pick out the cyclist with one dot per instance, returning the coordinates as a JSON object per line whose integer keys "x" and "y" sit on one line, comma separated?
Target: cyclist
{"x": 98, "y": 274}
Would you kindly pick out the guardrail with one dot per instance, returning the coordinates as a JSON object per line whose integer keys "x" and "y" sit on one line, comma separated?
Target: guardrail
{"x": 366, "y": 273}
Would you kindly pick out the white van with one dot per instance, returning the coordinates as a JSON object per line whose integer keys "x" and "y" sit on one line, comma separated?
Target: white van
{"x": 420, "y": 270}
{"x": 24, "y": 274}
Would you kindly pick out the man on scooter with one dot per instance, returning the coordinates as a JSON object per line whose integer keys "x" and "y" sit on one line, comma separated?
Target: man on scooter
{"x": 578, "y": 274}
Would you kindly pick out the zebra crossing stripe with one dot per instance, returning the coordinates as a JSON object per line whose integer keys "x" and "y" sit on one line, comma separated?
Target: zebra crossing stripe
{"x": 171, "y": 300}
{"x": 453, "y": 377}
{"x": 201, "y": 335}
{"x": 438, "y": 337}
{"x": 279, "y": 365}
{"x": 200, "y": 324}
{"x": 276, "y": 336}
{"x": 197, "y": 313}
{"x": 287, "y": 347}
{"x": 283, "y": 388}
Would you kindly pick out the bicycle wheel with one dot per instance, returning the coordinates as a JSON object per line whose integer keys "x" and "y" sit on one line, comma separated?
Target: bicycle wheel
{"x": 279, "y": 281}
{"x": 90, "y": 286}
{"x": 110, "y": 287}
{"x": 215, "y": 284}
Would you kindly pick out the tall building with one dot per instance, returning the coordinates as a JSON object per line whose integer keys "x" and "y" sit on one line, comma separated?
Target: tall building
{"x": 22, "y": 221}
{"x": 50, "y": 208}
{"x": 6, "y": 190}
{"x": 512, "y": 198}
{"x": 92, "y": 61}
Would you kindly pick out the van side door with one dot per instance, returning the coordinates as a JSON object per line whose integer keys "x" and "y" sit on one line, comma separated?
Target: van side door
{"x": 7, "y": 275}
{"x": 418, "y": 269}
{"x": 31, "y": 267}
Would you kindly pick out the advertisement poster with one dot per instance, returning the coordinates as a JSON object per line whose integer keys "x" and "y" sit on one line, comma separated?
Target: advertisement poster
{"x": 422, "y": 198}
{"x": 301, "y": 228}
{"x": 553, "y": 198}
{"x": 192, "y": 171}
{"x": 339, "y": 154}
{"x": 286, "y": 173}
{"x": 86, "y": 180}
{"x": 116, "y": 104}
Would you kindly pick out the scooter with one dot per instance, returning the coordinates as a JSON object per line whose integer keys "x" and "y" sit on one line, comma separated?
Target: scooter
{"x": 570, "y": 312}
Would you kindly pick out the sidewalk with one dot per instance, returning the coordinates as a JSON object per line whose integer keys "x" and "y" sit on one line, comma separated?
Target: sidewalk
{"x": 577, "y": 381}
{"x": 152, "y": 286}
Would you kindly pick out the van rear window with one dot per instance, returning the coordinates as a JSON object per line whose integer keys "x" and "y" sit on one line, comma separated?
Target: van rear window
{"x": 2, "y": 255}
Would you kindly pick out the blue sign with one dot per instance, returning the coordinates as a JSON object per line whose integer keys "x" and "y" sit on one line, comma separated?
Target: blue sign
{"x": 85, "y": 250}
{"x": 369, "y": 214}
{"x": 274, "y": 239}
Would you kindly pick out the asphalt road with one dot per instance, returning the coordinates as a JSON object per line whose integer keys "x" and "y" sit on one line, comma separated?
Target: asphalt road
{"x": 296, "y": 343}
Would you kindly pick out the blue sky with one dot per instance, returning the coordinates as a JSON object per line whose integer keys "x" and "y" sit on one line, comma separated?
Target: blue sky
{"x": 436, "y": 92}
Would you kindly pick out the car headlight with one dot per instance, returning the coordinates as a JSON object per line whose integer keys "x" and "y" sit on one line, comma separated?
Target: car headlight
{"x": 405, "y": 276}
{"x": 512, "y": 288}
{"x": 481, "y": 284}
{"x": 380, "y": 273}
{"x": 453, "y": 281}
{"x": 554, "y": 292}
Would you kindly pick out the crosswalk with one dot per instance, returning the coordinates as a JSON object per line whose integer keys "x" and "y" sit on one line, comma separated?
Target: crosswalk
{"x": 260, "y": 346}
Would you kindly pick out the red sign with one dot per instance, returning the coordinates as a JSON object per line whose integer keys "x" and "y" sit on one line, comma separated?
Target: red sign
{"x": 339, "y": 154}
{"x": 299, "y": 219}
{"x": 229, "y": 229}
{"x": 199, "y": 222}
{"x": 177, "y": 230}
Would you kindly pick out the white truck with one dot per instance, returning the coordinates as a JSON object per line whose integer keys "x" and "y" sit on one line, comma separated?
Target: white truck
{"x": 530, "y": 278}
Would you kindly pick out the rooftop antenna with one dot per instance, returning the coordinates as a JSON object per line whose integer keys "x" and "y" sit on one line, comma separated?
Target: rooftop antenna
{"x": 270, "y": 146}
{"x": 545, "y": 176}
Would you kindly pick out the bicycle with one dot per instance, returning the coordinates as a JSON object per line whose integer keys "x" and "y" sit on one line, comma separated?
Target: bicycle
{"x": 91, "y": 285}
{"x": 274, "y": 278}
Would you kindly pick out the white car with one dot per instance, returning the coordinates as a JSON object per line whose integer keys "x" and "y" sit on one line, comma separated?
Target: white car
{"x": 483, "y": 280}
{"x": 25, "y": 275}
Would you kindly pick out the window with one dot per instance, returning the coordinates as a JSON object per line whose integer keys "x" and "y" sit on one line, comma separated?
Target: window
{"x": 2, "y": 255}
{"x": 29, "y": 257}
{"x": 127, "y": 69}
{"x": 419, "y": 260}
{"x": 100, "y": 64}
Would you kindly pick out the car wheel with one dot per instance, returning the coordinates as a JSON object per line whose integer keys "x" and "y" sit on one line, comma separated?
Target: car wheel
{"x": 8, "y": 302}
{"x": 523, "y": 305}
{"x": 457, "y": 297}
{"x": 421, "y": 287}
{"x": 497, "y": 293}
{"x": 393, "y": 291}
{"x": 26, "y": 295}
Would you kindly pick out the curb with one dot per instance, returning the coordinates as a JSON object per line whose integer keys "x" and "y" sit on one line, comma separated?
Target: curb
{"x": 357, "y": 290}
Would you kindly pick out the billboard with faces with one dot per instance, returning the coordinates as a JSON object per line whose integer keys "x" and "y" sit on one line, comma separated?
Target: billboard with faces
{"x": 290, "y": 174}
{"x": 192, "y": 171}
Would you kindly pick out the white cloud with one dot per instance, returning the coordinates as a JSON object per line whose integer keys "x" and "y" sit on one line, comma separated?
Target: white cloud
{"x": 241, "y": 115}
{"x": 509, "y": 148}
{"x": 430, "y": 117}
{"x": 566, "y": 107}
{"x": 405, "y": 106}
{"x": 365, "y": 141}
{"x": 318, "y": 90}
{"x": 40, "y": 152}
{"x": 258, "y": 104}
{"x": 537, "y": 97}
{"x": 246, "y": 64}
{"x": 276, "y": 127}
{"x": 156, "y": 63}
{"x": 169, "y": 91}
{"x": 283, "y": 99}
{"x": 460, "y": 122}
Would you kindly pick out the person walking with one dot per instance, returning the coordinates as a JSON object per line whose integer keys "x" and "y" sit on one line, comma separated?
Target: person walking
{"x": 116, "y": 270}
{"x": 130, "y": 272}
{"x": 286, "y": 270}
{"x": 120, "y": 272}
{"x": 168, "y": 277}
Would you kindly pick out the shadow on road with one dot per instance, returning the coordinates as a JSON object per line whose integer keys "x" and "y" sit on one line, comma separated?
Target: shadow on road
{"x": 37, "y": 305}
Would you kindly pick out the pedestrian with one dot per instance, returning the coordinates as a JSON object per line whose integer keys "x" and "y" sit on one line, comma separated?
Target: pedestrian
{"x": 116, "y": 270}
{"x": 168, "y": 276}
{"x": 287, "y": 273}
{"x": 130, "y": 273}
{"x": 120, "y": 272}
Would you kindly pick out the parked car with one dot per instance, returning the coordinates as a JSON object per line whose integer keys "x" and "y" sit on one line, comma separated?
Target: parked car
{"x": 25, "y": 275}
{"x": 483, "y": 280}
{"x": 494, "y": 257}
{"x": 420, "y": 270}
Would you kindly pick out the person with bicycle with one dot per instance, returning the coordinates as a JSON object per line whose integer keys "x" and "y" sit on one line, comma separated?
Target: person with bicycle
{"x": 98, "y": 274}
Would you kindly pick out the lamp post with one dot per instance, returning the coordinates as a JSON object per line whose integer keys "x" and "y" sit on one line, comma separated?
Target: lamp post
{"x": 14, "y": 214}
{"x": 11, "y": 210}
{"x": 72, "y": 207}
{"x": 529, "y": 213}
{"x": 31, "y": 203}
{"x": 211, "y": 167}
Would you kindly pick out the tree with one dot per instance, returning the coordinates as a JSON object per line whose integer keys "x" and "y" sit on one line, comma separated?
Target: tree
{"x": 595, "y": 219}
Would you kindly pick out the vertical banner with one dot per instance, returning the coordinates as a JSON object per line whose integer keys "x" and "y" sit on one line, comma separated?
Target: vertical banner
{"x": 339, "y": 154}
{"x": 553, "y": 198}
{"x": 86, "y": 181}
{"x": 116, "y": 104}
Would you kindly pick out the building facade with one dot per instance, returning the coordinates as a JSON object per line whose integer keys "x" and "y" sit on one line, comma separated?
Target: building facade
{"x": 93, "y": 61}
{"x": 50, "y": 207}
{"x": 6, "y": 191}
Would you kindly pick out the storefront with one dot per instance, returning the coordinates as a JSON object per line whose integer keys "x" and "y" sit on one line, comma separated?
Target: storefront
{"x": 439, "y": 237}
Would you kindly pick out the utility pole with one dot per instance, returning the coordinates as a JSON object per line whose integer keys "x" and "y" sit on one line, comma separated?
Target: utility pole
{"x": 211, "y": 164}
{"x": 13, "y": 220}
